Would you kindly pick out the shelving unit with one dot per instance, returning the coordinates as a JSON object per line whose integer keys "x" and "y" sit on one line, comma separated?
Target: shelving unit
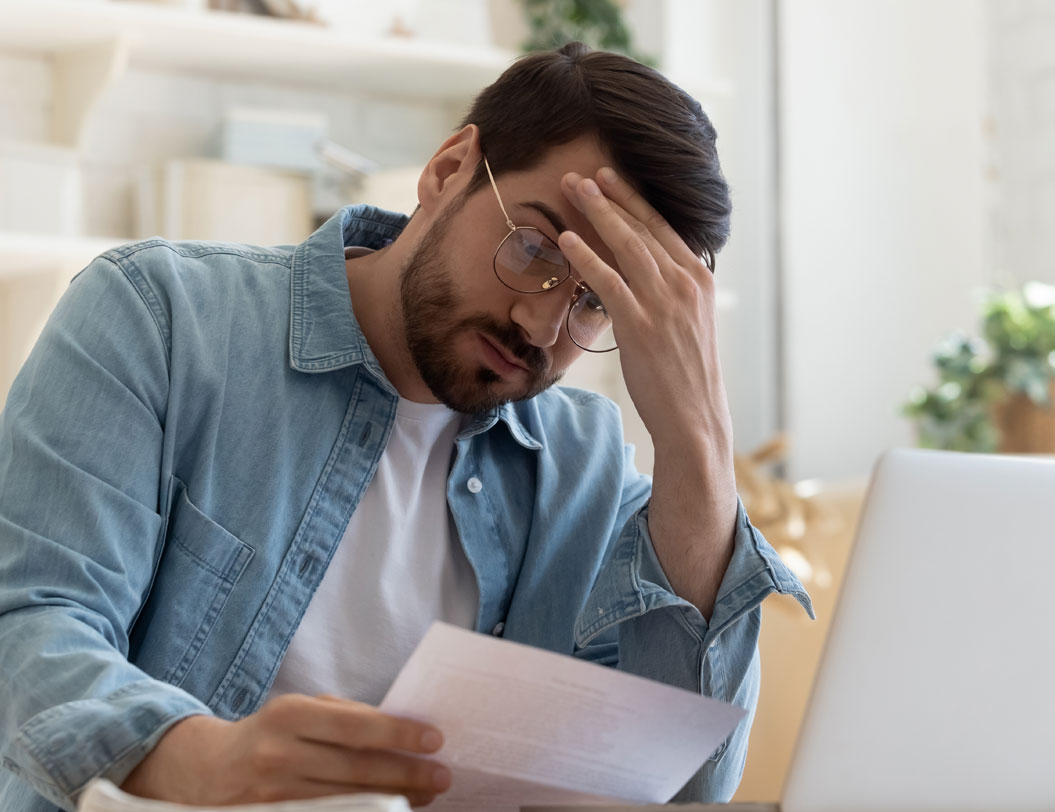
{"x": 93, "y": 43}
{"x": 252, "y": 46}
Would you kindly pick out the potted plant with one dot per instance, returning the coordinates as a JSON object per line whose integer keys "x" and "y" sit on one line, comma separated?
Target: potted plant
{"x": 996, "y": 393}
{"x": 598, "y": 23}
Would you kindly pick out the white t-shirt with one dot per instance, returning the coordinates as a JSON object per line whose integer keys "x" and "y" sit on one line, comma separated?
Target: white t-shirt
{"x": 399, "y": 567}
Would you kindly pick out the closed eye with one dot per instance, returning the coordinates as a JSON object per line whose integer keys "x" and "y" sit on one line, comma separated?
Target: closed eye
{"x": 554, "y": 219}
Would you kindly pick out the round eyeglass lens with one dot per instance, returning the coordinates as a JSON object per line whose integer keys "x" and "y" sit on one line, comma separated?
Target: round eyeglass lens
{"x": 589, "y": 324}
{"x": 529, "y": 261}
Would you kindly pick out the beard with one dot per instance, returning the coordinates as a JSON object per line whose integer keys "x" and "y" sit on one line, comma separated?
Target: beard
{"x": 432, "y": 327}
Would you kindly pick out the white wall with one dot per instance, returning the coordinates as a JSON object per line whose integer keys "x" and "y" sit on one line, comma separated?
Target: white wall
{"x": 1022, "y": 100}
{"x": 883, "y": 212}
{"x": 721, "y": 52}
{"x": 738, "y": 47}
{"x": 716, "y": 40}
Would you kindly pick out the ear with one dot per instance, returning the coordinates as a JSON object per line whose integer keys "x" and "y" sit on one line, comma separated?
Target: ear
{"x": 450, "y": 169}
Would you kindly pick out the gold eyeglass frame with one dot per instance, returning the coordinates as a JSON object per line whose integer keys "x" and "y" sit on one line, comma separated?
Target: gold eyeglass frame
{"x": 581, "y": 288}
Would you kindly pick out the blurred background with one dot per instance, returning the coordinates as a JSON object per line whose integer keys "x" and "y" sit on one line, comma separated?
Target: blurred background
{"x": 889, "y": 280}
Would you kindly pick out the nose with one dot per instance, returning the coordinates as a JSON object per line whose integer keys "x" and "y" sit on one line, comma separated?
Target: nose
{"x": 541, "y": 315}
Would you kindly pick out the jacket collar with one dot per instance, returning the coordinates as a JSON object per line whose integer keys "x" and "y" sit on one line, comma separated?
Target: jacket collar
{"x": 323, "y": 333}
{"x": 507, "y": 413}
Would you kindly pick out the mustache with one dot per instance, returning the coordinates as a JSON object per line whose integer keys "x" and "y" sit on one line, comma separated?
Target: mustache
{"x": 512, "y": 339}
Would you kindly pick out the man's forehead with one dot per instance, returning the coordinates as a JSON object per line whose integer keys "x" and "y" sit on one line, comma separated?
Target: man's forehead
{"x": 555, "y": 218}
{"x": 539, "y": 188}
{"x": 583, "y": 155}
{"x": 568, "y": 218}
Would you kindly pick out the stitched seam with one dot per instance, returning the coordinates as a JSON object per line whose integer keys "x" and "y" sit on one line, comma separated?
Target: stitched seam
{"x": 137, "y": 745}
{"x": 286, "y": 573}
{"x": 228, "y": 575}
{"x": 147, "y": 297}
{"x": 203, "y": 249}
{"x": 43, "y": 753}
{"x": 718, "y": 665}
{"x": 221, "y": 595}
{"x": 754, "y": 602}
{"x": 381, "y": 448}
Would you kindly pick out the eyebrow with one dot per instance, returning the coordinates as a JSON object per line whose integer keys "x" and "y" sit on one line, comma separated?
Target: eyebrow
{"x": 555, "y": 219}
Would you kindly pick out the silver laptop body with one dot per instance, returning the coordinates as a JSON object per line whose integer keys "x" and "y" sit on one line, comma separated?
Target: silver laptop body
{"x": 936, "y": 689}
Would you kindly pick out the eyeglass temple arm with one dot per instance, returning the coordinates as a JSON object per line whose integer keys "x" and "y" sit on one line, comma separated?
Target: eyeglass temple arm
{"x": 501, "y": 205}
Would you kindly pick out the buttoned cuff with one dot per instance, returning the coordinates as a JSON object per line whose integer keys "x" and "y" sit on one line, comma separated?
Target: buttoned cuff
{"x": 633, "y": 582}
{"x": 60, "y": 750}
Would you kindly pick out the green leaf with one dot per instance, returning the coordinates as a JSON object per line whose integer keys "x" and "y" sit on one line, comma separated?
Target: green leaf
{"x": 1017, "y": 355}
{"x": 598, "y": 23}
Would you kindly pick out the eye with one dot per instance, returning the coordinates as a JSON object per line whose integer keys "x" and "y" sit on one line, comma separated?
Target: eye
{"x": 531, "y": 245}
{"x": 528, "y": 248}
{"x": 592, "y": 304}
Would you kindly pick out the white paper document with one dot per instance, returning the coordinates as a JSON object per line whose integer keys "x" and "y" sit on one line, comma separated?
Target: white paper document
{"x": 526, "y": 726}
{"x": 102, "y": 796}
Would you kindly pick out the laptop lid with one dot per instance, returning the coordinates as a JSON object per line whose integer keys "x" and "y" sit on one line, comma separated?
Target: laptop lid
{"x": 936, "y": 688}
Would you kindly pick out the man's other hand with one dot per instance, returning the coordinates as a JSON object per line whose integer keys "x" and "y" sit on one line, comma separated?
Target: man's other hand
{"x": 294, "y": 747}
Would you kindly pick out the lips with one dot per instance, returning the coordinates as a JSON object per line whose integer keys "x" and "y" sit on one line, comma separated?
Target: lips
{"x": 499, "y": 358}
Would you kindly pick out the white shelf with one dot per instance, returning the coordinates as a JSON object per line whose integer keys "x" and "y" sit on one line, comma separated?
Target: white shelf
{"x": 93, "y": 42}
{"x": 23, "y": 255}
{"x": 252, "y": 47}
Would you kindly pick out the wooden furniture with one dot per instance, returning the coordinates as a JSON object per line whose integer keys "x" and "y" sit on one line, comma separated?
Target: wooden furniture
{"x": 790, "y": 643}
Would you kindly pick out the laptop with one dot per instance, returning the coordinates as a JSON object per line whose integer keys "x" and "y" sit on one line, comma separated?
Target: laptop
{"x": 936, "y": 688}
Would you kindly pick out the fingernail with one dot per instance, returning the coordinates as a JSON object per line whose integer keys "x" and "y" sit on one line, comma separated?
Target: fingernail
{"x": 431, "y": 740}
{"x": 607, "y": 174}
{"x": 441, "y": 778}
{"x": 570, "y": 238}
{"x": 590, "y": 187}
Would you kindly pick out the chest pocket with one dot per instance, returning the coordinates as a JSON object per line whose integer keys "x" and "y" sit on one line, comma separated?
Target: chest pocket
{"x": 200, "y": 564}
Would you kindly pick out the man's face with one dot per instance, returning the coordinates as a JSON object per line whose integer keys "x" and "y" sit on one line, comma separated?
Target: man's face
{"x": 475, "y": 342}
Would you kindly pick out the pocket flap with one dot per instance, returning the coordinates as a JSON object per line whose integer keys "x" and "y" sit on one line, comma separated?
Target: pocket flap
{"x": 210, "y": 545}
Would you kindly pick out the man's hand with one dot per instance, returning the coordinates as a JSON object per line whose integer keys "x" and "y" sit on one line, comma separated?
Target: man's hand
{"x": 294, "y": 747}
{"x": 661, "y": 298}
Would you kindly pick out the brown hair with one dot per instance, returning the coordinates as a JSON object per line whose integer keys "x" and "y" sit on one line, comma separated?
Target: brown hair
{"x": 657, "y": 135}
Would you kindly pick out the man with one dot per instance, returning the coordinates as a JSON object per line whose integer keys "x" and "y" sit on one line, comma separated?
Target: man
{"x": 237, "y": 484}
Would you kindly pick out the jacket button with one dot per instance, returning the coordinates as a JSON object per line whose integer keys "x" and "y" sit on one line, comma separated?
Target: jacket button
{"x": 240, "y": 700}
{"x": 474, "y": 485}
{"x": 498, "y": 629}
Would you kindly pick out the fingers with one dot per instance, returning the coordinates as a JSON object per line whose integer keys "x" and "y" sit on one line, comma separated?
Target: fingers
{"x": 608, "y": 284}
{"x": 324, "y": 745}
{"x": 352, "y": 724}
{"x": 389, "y": 772}
{"x": 663, "y": 242}
{"x": 626, "y": 196}
{"x": 638, "y": 254}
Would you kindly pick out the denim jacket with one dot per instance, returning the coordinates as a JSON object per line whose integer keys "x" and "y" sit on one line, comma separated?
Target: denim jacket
{"x": 179, "y": 458}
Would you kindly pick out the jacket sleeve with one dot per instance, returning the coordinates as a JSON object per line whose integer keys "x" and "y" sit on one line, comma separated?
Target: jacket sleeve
{"x": 661, "y": 636}
{"x": 81, "y": 441}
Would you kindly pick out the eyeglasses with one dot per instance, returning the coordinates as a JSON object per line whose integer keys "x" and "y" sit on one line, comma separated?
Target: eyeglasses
{"x": 528, "y": 261}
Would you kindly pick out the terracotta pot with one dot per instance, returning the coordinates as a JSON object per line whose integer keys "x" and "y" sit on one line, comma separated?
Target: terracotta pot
{"x": 1025, "y": 427}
